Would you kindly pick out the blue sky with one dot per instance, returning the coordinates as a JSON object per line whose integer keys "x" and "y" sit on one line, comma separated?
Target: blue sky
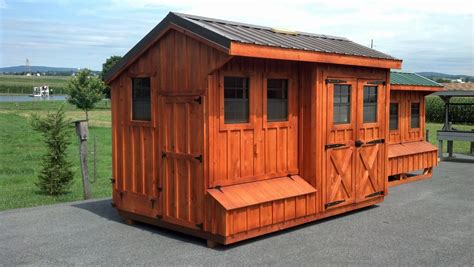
{"x": 428, "y": 35}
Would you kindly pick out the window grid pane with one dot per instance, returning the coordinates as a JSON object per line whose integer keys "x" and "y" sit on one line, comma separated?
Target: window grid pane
{"x": 141, "y": 103}
{"x": 236, "y": 100}
{"x": 415, "y": 115}
{"x": 342, "y": 104}
{"x": 277, "y": 99}
{"x": 393, "y": 116}
{"x": 370, "y": 104}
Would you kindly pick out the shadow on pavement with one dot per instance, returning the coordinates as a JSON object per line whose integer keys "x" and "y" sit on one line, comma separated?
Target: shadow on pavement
{"x": 104, "y": 209}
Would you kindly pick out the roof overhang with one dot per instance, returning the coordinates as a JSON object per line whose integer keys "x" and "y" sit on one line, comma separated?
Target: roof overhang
{"x": 259, "y": 51}
{"x": 458, "y": 93}
{"x": 233, "y": 48}
{"x": 428, "y": 89}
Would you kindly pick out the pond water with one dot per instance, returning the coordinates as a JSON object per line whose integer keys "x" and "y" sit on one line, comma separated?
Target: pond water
{"x": 27, "y": 98}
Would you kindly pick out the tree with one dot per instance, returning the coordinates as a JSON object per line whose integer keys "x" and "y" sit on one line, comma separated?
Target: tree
{"x": 442, "y": 80}
{"x": 106, "y": 67}
{"x": 85, "y": 90}
{"x": 56, "y": 176}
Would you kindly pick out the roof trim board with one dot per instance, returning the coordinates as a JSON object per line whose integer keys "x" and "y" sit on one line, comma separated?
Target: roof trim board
{"x": 459, "y": 93}
{"x": 260, "y": 51}
{"x": 429, "y": 89}
{"x": 225, "y": 34}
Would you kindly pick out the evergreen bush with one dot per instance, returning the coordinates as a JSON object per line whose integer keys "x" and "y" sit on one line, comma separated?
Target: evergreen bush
{"x": 56, "y": 176}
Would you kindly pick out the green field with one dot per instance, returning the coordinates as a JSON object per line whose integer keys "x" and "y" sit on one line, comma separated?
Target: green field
{"x": 461, "y": 147}
{"x": 21, "y": 149}
{"x": 22, "y": 84}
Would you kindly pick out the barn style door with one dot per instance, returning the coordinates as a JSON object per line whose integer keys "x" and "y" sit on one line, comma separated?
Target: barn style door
{"x": 181, "y": 182}
{"x": 340, "y": 145}
{"x": 370, "y": 144}
{"x": 354, "y": 141}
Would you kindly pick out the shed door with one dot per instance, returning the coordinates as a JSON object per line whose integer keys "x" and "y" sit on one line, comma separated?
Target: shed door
{"x": 182, "y": 159}
{"x": 340, "y": 143}
{"x": 370, "y": 163}
{"x": 354, "y": 143}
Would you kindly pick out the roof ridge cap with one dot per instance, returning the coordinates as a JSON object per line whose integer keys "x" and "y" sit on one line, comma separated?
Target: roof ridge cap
{"x": 258, "y": 27}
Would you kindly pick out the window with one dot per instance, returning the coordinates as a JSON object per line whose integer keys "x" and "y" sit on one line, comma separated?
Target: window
{"x": 342, "y": 103}
{"x": 415, "y": 115}
{"x": 370, "y": 103}
{"x": 236, "y": 100}
{"x": 141, "y": 106}
{"x": 277, "y": 99}
{"x": 393, "y": 116}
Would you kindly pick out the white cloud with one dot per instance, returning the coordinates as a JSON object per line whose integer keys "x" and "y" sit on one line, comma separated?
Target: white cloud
{"x": 424, "y": 32}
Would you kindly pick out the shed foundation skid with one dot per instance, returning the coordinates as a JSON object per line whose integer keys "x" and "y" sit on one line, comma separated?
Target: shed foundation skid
{"x": 217, "y": 239}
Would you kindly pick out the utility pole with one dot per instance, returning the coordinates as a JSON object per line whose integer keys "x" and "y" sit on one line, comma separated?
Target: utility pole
{"x": 371, "y": 43}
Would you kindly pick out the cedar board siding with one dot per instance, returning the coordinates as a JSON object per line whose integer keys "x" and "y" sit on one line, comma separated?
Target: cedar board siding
{"x": 178, "y": 65}
{"x": 418, "y": 159}
{"x": 182, "y": 69}
{"x": 405, "y": 133}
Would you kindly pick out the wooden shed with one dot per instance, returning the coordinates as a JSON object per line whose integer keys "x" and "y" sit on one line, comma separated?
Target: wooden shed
{"x": 229, "y": 131}
{"x": 410, "y": 156}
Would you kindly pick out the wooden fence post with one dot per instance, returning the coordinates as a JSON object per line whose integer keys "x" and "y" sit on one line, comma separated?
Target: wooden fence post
{"x": 82, "y": 131}
{"x": 472, "y": 145}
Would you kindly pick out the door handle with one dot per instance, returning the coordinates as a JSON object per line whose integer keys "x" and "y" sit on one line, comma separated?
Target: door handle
{"x": 359, "y": 143}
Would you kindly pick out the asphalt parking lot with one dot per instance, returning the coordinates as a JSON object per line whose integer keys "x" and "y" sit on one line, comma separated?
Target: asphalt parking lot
{"x": 423, "y": 223}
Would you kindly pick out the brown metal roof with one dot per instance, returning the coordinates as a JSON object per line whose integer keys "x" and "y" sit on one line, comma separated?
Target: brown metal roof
{"x": 261, "y": 35}
{"x": 458, "y": 86}
{"x": 457, "y": 89}
{"x": 223, "y": 33}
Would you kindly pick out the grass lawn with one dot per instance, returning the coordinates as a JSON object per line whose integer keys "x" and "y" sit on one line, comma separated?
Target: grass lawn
{"x": 461, "y": 147}
{"x": 21, "y": 150}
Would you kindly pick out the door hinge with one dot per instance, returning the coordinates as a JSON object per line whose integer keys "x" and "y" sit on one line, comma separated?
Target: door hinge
{"x": 198, "y": 158}
{"x": 163, "y": 155}
{"x": 219, "y": 187}
{"x": 335, "y": 81}
{"x": 377, "y": 141}
{"x": 199, "y": 225}
{"x": 375, "y": 194}
{"x": 198, "y": 100}
{"x": 326, "y": 147}
{"x": 330, "y": 204}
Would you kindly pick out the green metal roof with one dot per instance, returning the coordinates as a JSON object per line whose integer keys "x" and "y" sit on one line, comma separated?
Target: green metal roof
{"x": 406, "y": 78}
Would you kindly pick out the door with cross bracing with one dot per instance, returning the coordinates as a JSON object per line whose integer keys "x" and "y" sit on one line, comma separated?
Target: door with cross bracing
{"x": 354, "y": 148}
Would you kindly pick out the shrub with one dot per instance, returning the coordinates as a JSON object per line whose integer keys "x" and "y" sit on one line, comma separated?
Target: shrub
{"x": 56, "y": 176}
{"x": 457, "y": 113}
